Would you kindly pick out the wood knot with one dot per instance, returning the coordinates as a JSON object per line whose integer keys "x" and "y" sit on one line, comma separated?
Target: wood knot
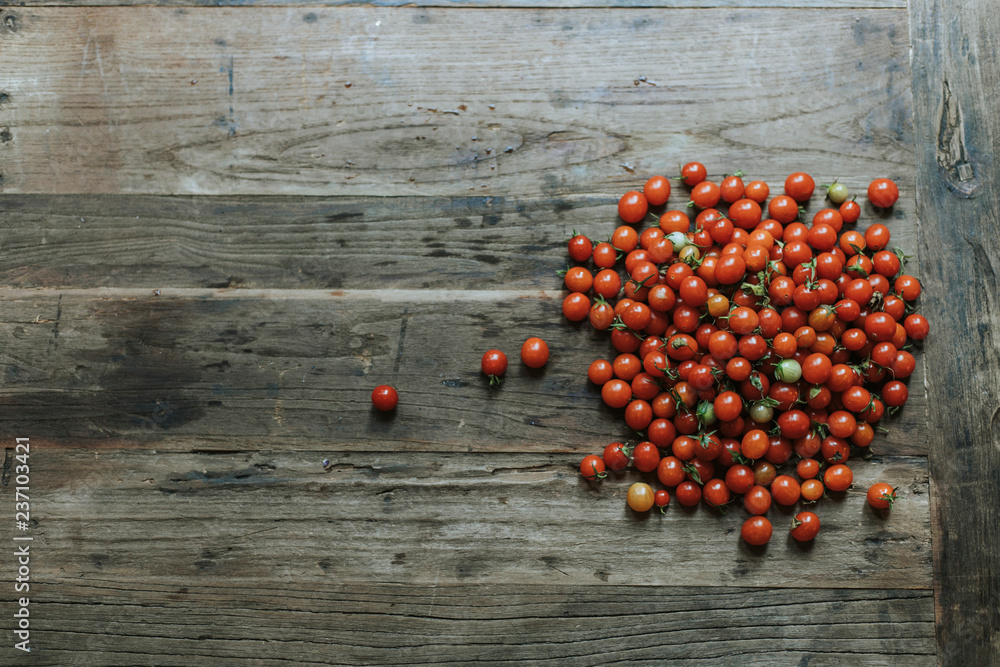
{"x": 10, "y": 21}
{"x": 951, "y": 151}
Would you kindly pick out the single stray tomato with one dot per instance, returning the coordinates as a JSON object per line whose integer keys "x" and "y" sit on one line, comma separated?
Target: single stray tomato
{"x": 384, "y": 398}
{"x": 534, "y": 353}
{"x": 881, "y": 495}
{"x": 494, "y": 365}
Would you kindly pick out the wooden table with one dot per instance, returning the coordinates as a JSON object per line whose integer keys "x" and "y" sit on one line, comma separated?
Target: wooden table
{"x": 222, "y": 226}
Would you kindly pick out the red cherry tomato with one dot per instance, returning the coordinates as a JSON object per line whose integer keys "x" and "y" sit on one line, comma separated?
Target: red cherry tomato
{"x": 805, "y": 526}
{"x": 881, "y": 495}
{"x": 657, "y": 190}
{"x": 883, "y": 193}
{"x": 494, "y": 364}
{"x": 534, "y": 353}
{"x": 384, "y": 398}
{"x": 632, "y": 207}
{"x": 756, "y": 531}
{"x": 592, "y": 467}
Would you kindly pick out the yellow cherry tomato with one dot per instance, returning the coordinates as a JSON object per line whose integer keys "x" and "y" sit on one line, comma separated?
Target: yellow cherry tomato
{"x": 640, "y": 497}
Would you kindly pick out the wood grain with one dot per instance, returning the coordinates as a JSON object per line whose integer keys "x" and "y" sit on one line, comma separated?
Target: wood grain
{"x": 184, "y": 364}
{"x": 330, "y": 623}
{"x": 233, "y": 101}
{"x": 438, "y": 518}
{"x": 472, "y": 4}
{"x": 957, "y": 88}
{"x": 323, "y": 242}
{"x": 298, "y": 367}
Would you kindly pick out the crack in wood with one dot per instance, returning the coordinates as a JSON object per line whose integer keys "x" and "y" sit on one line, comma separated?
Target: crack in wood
{"x": 952, "y": 154}
{"x": 8, "y": 457}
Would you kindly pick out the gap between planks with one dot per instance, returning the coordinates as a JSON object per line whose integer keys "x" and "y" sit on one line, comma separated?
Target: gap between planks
{"x": 475, "y": 4}
{"x": 385, "y": 295}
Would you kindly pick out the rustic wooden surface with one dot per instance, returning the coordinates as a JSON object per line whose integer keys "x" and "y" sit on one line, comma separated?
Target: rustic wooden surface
{"x": 507, "y": 4}
{"x": 955, "y": 81}
{"x": 213, "y": 248}
{"x": 256, "y": 101}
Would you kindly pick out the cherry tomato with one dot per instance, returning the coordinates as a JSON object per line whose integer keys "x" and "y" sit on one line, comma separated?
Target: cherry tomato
{"x": 605, "y": 255}
{"x": 850, "y": 211}
{"x": 812, "y": 490}
{"x": 799, "y": 186}
{"x": 646, "y": 456}
{"x": 640, "y": 497}
{"x": 705, "y": 194}
{"x": 917, "y": 327}
{"x": 785, "y": 490}
{"x": 838, "y": 477}
{"x": 576, "y": 307}
{"x": 580, "y": 248}
{"x": 903, "y": 365}
{"x": 883, "y": 193}
{"x": 895, "y": 393}
{"x": 657, "y": 190}
{"x": 632, "y": 207}
{"x": 716, "y": 493}
{"x": 688, "y": 494}
{"x": 578, "y": 279}
{"x": 601, "y": 315}
{"x": 661, "y": 499}
{"x": 783, "y": 208}
{"x": 534, "y": 353}
{"x": 745, "y": 213}
{"x": 494, "y": 364}
{"x": 732, "y": 188}
{"x": 907, "y": 287}
{"x": 755, "y": 444}
{"x": 624, "y": 239}
{"x": 615, "y": 457}
{"x": 805, "y": 526}
{"x": 740, "y": 479}
{"x": 693, "y": 173}
{"x": 756, "y": 531}
{"x": 670, "y": 471}
{"x": 757, "y": 500}
{"x": 757, "y": 191}
{"x": 764, "y": 471}
{"x": 806, "y": 468}
{"x": 693, "y": 291}
{"x": 385, "y": 398}
{"x": 616, "y": 393}
{"x": 592, "y": 467}
{"x": 881, "y": 495}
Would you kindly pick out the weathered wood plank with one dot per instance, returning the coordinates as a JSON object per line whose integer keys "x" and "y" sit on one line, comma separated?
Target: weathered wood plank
{"x": 503, "y": 4}
{"x": 298, "y": 367}
{"x": 438, "y": 518}
{"x": 256, "y": 101}
{"x": 332, "y": 623}
{"x": 323, "y": 243}
{"x": 956, "y": 81}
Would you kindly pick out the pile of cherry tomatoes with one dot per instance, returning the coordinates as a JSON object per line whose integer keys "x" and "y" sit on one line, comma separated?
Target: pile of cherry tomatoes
{"x": 745, "y": 338}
